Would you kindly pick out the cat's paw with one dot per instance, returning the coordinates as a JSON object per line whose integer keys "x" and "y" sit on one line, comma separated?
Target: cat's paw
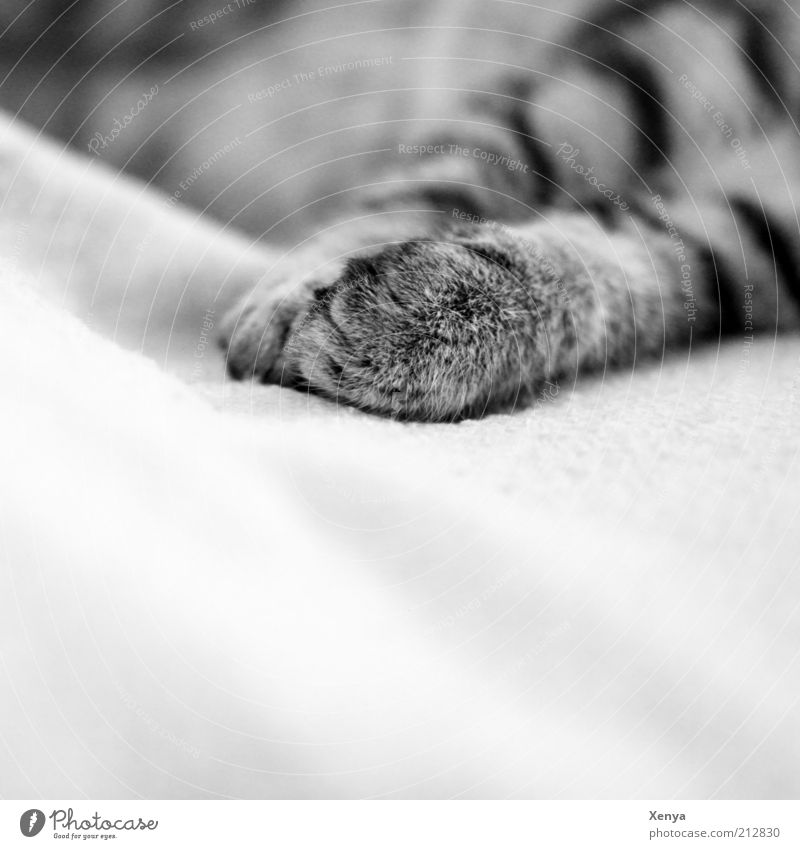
{"x": 429, "y": 330}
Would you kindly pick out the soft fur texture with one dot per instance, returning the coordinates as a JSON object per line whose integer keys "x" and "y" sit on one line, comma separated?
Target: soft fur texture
{"x": 697, "y": 236}
{"x": 474, "y": 320}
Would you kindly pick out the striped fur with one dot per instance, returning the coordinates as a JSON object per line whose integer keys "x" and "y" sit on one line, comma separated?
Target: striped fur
{"x": 637, "y": 196}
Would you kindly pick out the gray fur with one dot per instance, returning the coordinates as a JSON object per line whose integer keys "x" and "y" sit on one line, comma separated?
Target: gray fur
{"x": 442, "y": 328}
{"x": 437, "y": 321}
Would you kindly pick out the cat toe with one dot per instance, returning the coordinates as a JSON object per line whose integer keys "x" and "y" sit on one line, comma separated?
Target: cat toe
{"x": 253, "y": 336}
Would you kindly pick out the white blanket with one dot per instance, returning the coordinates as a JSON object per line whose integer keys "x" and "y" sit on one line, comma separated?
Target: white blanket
{"x": 214, "y": 589}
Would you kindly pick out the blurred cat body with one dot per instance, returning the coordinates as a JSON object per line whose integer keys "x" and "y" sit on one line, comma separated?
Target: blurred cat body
{"x": 475, "y": 200}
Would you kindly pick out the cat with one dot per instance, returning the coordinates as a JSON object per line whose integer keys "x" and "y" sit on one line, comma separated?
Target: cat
{"x": 635, "y": 197}
{"x": 540, "y": 190}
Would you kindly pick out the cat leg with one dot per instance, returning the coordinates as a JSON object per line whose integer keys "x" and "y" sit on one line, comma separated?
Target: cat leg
{"x": 478, "y": 319}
